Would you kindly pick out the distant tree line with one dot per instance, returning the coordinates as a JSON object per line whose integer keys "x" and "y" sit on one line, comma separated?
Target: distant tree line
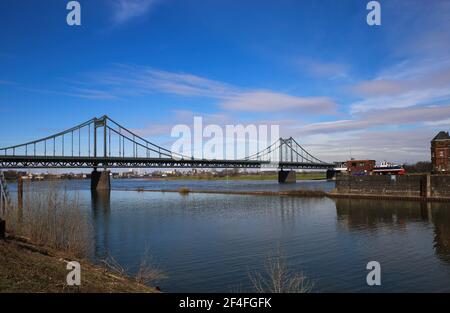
{"x": 419, "y": 167}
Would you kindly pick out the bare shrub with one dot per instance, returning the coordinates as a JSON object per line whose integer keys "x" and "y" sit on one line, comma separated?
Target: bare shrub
{"x": 148, "y": 272}
{"x": 112, "y": 265}
{"x": 278, "y": 278}
{"x": 53, "y": 218}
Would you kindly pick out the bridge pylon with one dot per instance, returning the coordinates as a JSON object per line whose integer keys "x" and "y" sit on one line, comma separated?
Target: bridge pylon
{"x": 101, "y": 180}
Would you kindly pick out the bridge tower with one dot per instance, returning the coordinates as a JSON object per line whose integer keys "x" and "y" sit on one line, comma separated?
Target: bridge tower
{"x": 101, "y": 180}
{"x": 287, "y": 156}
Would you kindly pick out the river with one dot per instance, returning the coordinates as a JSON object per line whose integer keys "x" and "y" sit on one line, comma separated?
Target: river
{"x": 213, "y": 242}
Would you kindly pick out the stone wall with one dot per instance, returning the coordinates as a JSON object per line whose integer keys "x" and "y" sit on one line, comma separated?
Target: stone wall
{"x": 380, "y": 185}
{"x": 440, "y": 185}
{"x": 391, "y": 185}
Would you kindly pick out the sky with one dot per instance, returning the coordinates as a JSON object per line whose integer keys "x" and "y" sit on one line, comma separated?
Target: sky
{"x": 340, "y": 87}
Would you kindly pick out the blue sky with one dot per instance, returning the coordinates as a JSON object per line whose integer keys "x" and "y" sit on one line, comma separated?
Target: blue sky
{"x": 316, "y": 68}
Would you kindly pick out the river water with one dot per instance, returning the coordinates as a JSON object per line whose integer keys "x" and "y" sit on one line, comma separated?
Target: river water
{"x": 213, "y": 242}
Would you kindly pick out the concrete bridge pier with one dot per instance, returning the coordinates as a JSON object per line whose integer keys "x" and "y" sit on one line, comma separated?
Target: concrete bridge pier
{"x": 100, "y": 180}
{"x": 331, "y": 174}
{"x": 287, "y": 177}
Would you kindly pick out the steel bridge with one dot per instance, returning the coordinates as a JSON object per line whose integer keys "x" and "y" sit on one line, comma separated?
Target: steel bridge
{"x": 104, "y": 143}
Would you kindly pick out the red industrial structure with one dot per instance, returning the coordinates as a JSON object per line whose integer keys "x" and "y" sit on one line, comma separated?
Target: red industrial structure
{"x": 440, "y": 152}
{"x": 360, "y": 167}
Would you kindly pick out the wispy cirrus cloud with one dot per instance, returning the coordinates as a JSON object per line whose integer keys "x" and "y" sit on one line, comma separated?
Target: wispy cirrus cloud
{"x": 375, "y": 118}
{"x": 125, "y": 10}
{"x": 408, "y": 85}
{"x": 397, "y": 146}
{"x": 267, "y": 101}
{"x": 143, "y": 80}
{"x": 128, "y": 81}
{"x": 84, "y": 93}
{"x": 419, "y": 40}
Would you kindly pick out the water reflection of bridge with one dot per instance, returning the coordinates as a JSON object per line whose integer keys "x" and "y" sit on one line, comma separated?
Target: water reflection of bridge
{"x": 370, "y": 215}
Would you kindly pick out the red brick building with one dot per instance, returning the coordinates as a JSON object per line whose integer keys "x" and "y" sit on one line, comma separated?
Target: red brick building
{"x": 360, "y": 167}
{"x": 440, "y": 152}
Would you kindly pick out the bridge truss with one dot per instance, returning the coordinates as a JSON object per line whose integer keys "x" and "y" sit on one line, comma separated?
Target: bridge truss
{"x": 102, "y": 142}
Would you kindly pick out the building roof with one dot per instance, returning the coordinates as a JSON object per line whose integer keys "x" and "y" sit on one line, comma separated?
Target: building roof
{"x": 442, "y": 135}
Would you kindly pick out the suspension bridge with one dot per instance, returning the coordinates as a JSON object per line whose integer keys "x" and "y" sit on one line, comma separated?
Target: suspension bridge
{"x": 104, "y": 143}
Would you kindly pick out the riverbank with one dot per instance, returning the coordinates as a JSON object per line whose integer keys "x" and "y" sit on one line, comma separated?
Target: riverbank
{"x": 261, "y": 177}
{"x": 298, "y": 193}
{"x": 185, "y": 191}
{"x": 30, "y": 268}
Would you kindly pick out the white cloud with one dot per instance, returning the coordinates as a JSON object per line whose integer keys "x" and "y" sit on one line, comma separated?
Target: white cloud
{"x": 379, "y": 118}
{"x": 267, "y": 101}
{"x": 404, "y": 86}
{"x": 134, "y": 81}
{"x": 129, "y": 81}
{"x": 399, "y": 146}
{"x": 445, "y": 122}
{"x": 418, "y": 35}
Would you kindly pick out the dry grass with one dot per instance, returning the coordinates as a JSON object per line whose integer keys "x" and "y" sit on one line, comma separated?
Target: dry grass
{"x": 113, "y": 266}
{"x": 184, "y": 191}
{"x": 278, "y": 278}
{"x": 34, "y": 269}
{"x": 149, "y": 273}
{"x": 52, "y": 218}
{"x": 49, "y": 229}
{"x": 305, "y": 193}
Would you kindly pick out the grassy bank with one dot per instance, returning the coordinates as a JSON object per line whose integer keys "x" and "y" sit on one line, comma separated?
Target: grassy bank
{"x": 47, "y": 232}
{"x": 26, "y": 267}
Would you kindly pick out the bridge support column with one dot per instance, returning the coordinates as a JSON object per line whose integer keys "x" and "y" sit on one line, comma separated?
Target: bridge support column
{"x": 100, "y": 180}
{"x": 331, "y": 174}
{"x": 287, "y": 177}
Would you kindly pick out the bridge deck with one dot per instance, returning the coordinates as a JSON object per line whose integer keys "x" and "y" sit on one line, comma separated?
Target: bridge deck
{"x": 32, "y": 162}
